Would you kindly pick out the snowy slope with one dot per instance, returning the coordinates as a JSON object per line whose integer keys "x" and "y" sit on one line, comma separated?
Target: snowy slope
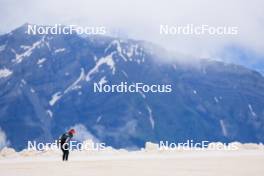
{"x": 46, "y": 84}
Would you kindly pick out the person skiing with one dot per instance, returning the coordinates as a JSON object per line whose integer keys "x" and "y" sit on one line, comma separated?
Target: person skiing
{"x": 64, "y": 143}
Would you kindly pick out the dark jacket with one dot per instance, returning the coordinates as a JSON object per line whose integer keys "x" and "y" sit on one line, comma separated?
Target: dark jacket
{"x": 65, "y": 138}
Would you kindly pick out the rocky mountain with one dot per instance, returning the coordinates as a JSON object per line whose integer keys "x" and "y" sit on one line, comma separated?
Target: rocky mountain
{"x": 47, "y": 82}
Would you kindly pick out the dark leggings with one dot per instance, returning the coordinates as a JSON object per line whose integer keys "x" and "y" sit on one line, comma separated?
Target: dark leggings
{"x": 65, "y": 151}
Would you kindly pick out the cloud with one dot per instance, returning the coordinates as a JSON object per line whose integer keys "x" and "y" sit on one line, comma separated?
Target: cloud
{"x": 122, "y": 136}
{"x": 141, "y": 19}
{"x": 124, "y": 132}
{"x": 3, "y": 140}
{"x": 82, "y": 133}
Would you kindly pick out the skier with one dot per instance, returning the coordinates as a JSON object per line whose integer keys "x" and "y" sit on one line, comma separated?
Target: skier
{"x": 64, "y": 143}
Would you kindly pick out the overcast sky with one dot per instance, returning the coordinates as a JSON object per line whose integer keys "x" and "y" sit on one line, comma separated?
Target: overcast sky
{"x": 141, "y": 19}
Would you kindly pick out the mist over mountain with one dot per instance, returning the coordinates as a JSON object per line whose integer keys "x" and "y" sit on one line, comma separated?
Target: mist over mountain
{"x": 47, "y": 81}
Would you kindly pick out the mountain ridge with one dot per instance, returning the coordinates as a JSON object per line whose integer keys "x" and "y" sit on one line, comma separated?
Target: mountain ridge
{"x": 46, "y": 87}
